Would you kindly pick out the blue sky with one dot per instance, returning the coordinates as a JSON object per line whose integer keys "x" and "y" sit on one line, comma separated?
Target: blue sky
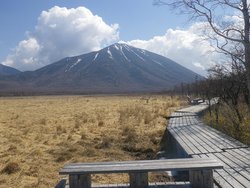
{"x": 23, "y": 38}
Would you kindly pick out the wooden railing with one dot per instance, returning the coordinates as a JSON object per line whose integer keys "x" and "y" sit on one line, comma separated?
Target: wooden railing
{"x": 200, "y": 171}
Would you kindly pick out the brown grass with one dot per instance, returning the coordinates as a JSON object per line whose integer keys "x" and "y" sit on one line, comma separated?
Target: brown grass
{"x": 39, "y": 135}
{"x": 225, "y": 122}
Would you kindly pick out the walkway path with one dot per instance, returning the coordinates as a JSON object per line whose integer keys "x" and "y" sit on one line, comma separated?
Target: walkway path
{"x": 201, "y": 141}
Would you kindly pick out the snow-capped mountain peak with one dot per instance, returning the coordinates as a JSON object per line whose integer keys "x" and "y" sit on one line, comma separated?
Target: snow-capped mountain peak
{"x": 114, "y": 69}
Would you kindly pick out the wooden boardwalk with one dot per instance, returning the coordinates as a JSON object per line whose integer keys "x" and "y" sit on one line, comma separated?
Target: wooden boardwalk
{"x": 197, "y": 140}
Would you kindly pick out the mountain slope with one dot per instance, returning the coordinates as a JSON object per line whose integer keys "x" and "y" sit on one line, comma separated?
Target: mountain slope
{"x": 117, "y": 68}
{"x": 6, "y": 70}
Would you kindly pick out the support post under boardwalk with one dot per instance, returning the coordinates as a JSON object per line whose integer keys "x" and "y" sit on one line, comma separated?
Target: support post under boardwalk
{"x": 138, "y": 179}
{"x": 201, "y": 178}
{"x": 80, "y": 181}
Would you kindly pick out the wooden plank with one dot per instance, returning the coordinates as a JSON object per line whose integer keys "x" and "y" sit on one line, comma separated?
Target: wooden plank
{"x": 181, "y": 132}
{"x": 170, "y": 185}
{"x": 244, "y": 158}
{"x": 232, "y": 173}
{"x": 181, "y": 142}
{"x": 73, "y": 181}
{"x": 228, "y": 141}
{"x": 237, "y": 160}
{"x": 194, "y": 109}
{"x": 151, "y": 185}
{"x": 215, "y": 138}
{"x": 188, "y": 139}
{"x": 140, "y": 166}
{"x": 194, "y": 137}
{"x": 220, "y": 180}
{"x": 201, "y": 139}
{"x": 138, "y": 180}
{"x": 84, "y": 181}
{"x": 238, "y": 173}
{"x": 245, "y": 150}
{"x": 110, "y": 185}
{"x": 228, "y": 178}
{"x": 201, "y": 178}
{"x": 221, "y": 177}
{"x": 204, "y": 140}
{"x": 228, "y": 174}
{"x": 160, "y": 161}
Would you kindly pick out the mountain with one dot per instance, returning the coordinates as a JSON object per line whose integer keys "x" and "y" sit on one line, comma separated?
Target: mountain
{"x": 114, "y": 69}
{"x": 6, "y": 70}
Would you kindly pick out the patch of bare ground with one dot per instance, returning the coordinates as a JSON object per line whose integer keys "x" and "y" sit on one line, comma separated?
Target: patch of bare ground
{"x": 39, "y": 135}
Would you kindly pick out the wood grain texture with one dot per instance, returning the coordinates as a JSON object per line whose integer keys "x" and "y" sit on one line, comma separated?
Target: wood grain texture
{"x": 201, "y": 141}
{"x": 140, "y": 166}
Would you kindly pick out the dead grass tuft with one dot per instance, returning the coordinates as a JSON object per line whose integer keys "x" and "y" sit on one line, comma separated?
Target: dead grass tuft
{"x": 11, "y": 167}
{"x": 228, "y": 122}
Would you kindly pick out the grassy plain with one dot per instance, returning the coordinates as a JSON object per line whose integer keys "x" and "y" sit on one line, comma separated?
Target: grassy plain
{"x": 38, "y": 135}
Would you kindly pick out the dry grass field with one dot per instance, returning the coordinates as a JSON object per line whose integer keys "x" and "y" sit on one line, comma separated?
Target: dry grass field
{"x": 229, "y": 124}
{"x": 38, "y": 135}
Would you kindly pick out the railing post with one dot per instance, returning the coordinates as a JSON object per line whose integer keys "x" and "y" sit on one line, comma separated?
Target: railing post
{"x": 138, "y": 180}
{"x": 80, "y": 181}
{"x": 201, "y": 178}
{"x": 73, "y": 181}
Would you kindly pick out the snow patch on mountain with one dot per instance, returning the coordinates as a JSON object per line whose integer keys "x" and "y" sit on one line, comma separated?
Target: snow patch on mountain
{"x": 121, "y": 50}
{"x": 138, "y": 55}
{"x": 159, "y": 63}
{"x": 143, "y": 52}
{"x": 73, "y": 65}
{"x": 110, "y": 54}
{"x": 96, "y": 55}
{"x": 133, "y": 51}
{"x": 116, "y": 47}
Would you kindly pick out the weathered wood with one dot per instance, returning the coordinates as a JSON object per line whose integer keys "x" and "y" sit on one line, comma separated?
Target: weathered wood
{"x": 201, "y": 141}
{"x": 138, "y": 180}
{"x": 201, "y": 178}
{"x": 85, "y": 181}
{"x": 73, "y": 181}
{"x": 80, "y": 173}
{"x": 140, "y": 166}
{"x": 80, "y": 181}
{"x": 151, "y": 185}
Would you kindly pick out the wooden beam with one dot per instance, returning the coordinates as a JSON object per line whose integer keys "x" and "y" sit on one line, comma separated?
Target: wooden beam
{"x": 80, "y": 181}
{"x": 138, "y": 179}
{"x": 85, "y": 181}
{"x": 73, "y": 181}
{"x": 201, "y": 178}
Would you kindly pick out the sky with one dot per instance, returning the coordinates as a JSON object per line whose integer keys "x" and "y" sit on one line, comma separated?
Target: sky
{"x": 35, "y": 33}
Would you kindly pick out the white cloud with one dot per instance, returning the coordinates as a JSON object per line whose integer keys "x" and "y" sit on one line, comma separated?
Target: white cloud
{"x": 186, "y": 47}
{"x": 61, "y": 32}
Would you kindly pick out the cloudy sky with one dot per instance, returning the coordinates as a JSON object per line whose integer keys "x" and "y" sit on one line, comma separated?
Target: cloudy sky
{"x": 36, "y": 33}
